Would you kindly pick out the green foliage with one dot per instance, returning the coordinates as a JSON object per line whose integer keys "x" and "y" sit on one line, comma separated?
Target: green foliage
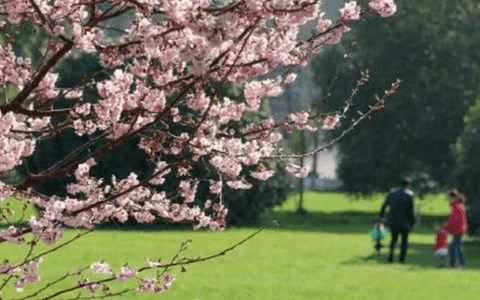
{"x": 414, "y": 135}
{"x": 469, "y": 136}
{"x": 467, "y": 173}
{"x": 30, "y": 42}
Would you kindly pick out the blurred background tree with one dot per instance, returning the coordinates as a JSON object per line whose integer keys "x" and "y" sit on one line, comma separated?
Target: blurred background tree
{"x": 467, "y": 173}
{"x": 432, "y": 48}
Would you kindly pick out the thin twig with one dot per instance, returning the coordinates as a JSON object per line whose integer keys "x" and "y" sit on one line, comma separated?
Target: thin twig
{"x": 372, "y": 109}
{"x": 166, "y": 266}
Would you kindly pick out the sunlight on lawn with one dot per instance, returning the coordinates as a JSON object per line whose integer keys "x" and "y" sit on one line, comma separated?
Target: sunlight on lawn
{"x": 23, "y": 211}
{"x": 326, "y": 254}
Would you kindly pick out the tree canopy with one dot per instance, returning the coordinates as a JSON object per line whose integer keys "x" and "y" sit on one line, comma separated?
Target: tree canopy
{"x": 466, "y": 175}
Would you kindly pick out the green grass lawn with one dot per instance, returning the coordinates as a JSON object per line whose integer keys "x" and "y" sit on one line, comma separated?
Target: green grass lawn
{"x": 325, "y": 254}
{"x": 23, "y": 211}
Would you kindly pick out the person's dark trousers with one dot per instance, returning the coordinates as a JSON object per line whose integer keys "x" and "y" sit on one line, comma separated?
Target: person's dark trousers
{"x": 396, "y": 230}
{"x": 457, "y": 249}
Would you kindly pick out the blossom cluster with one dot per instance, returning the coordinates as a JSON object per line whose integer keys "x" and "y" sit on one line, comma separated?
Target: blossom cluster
{"x": 24, "y": 273}
{"x": 13, "y": 69}
{"x": 146, "y": 284}
{"x": 160, "y": 80}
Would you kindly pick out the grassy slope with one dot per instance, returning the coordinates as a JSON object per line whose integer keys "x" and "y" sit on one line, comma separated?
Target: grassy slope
{"x": 323, "y": 255}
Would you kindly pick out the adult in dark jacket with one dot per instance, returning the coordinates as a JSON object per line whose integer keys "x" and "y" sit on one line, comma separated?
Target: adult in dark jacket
{"x": 400, "y": 216}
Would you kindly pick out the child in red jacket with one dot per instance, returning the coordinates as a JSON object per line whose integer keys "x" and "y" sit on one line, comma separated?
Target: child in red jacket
{"x": 440, "y": 249}
{"x": 457, "y": 226}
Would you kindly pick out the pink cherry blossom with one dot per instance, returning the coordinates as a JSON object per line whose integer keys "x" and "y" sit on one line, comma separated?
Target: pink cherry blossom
{"x": 46, "y": 88}
{"x": 153, "y": 264}
{"x": 126, "y": 273}
{"x": 46, "y": 229}
{"x": 333, "y": 36}
{"x": 323, "y": 24}
{"x": 188, "y": 190}
{"x": 208, "y": 203}
{"x": 27, "y": 277}
{"x": 303, "y": 172}
{"x": 154, "y": 101}
{"x": 299, "y": 118}
{"x": 26, "y": 273}
{"x": 203, "y": 220}
{"x": 330, "y": 122}
{"x": 198, "y": 100}
{"x": 85, "y": 39}
{"x": 39, "y": 123}
{"x": 13, "y": 69}
{"x": 161, "y": 170}
{"x": 167, "y": 281}
{"x": 239, "y": 184}
{"x": 101, "y": 268}
{"x": 262, "y": 175}
{"x": 84, "y": 109}
{"x": 216, "y": 188}
{"x": 290, "y": 78}
{"x": 385, "y": 8}
{"x": 92, "y": 287}
{"x": 350, "y": 12}
{"x": 12, "y": 235}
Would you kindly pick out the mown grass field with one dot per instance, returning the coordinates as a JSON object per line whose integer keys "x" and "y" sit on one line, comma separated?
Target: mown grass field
{"x": 326, "y": 254}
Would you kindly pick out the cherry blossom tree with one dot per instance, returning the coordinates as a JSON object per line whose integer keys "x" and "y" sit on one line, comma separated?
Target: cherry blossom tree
{"x": 160, "y": 81}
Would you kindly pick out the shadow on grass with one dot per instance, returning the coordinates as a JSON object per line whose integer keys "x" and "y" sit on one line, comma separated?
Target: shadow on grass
{"x": 419, "y": 256}
{"x": 131, "y": 226}
{"x": 349, "y": 221}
